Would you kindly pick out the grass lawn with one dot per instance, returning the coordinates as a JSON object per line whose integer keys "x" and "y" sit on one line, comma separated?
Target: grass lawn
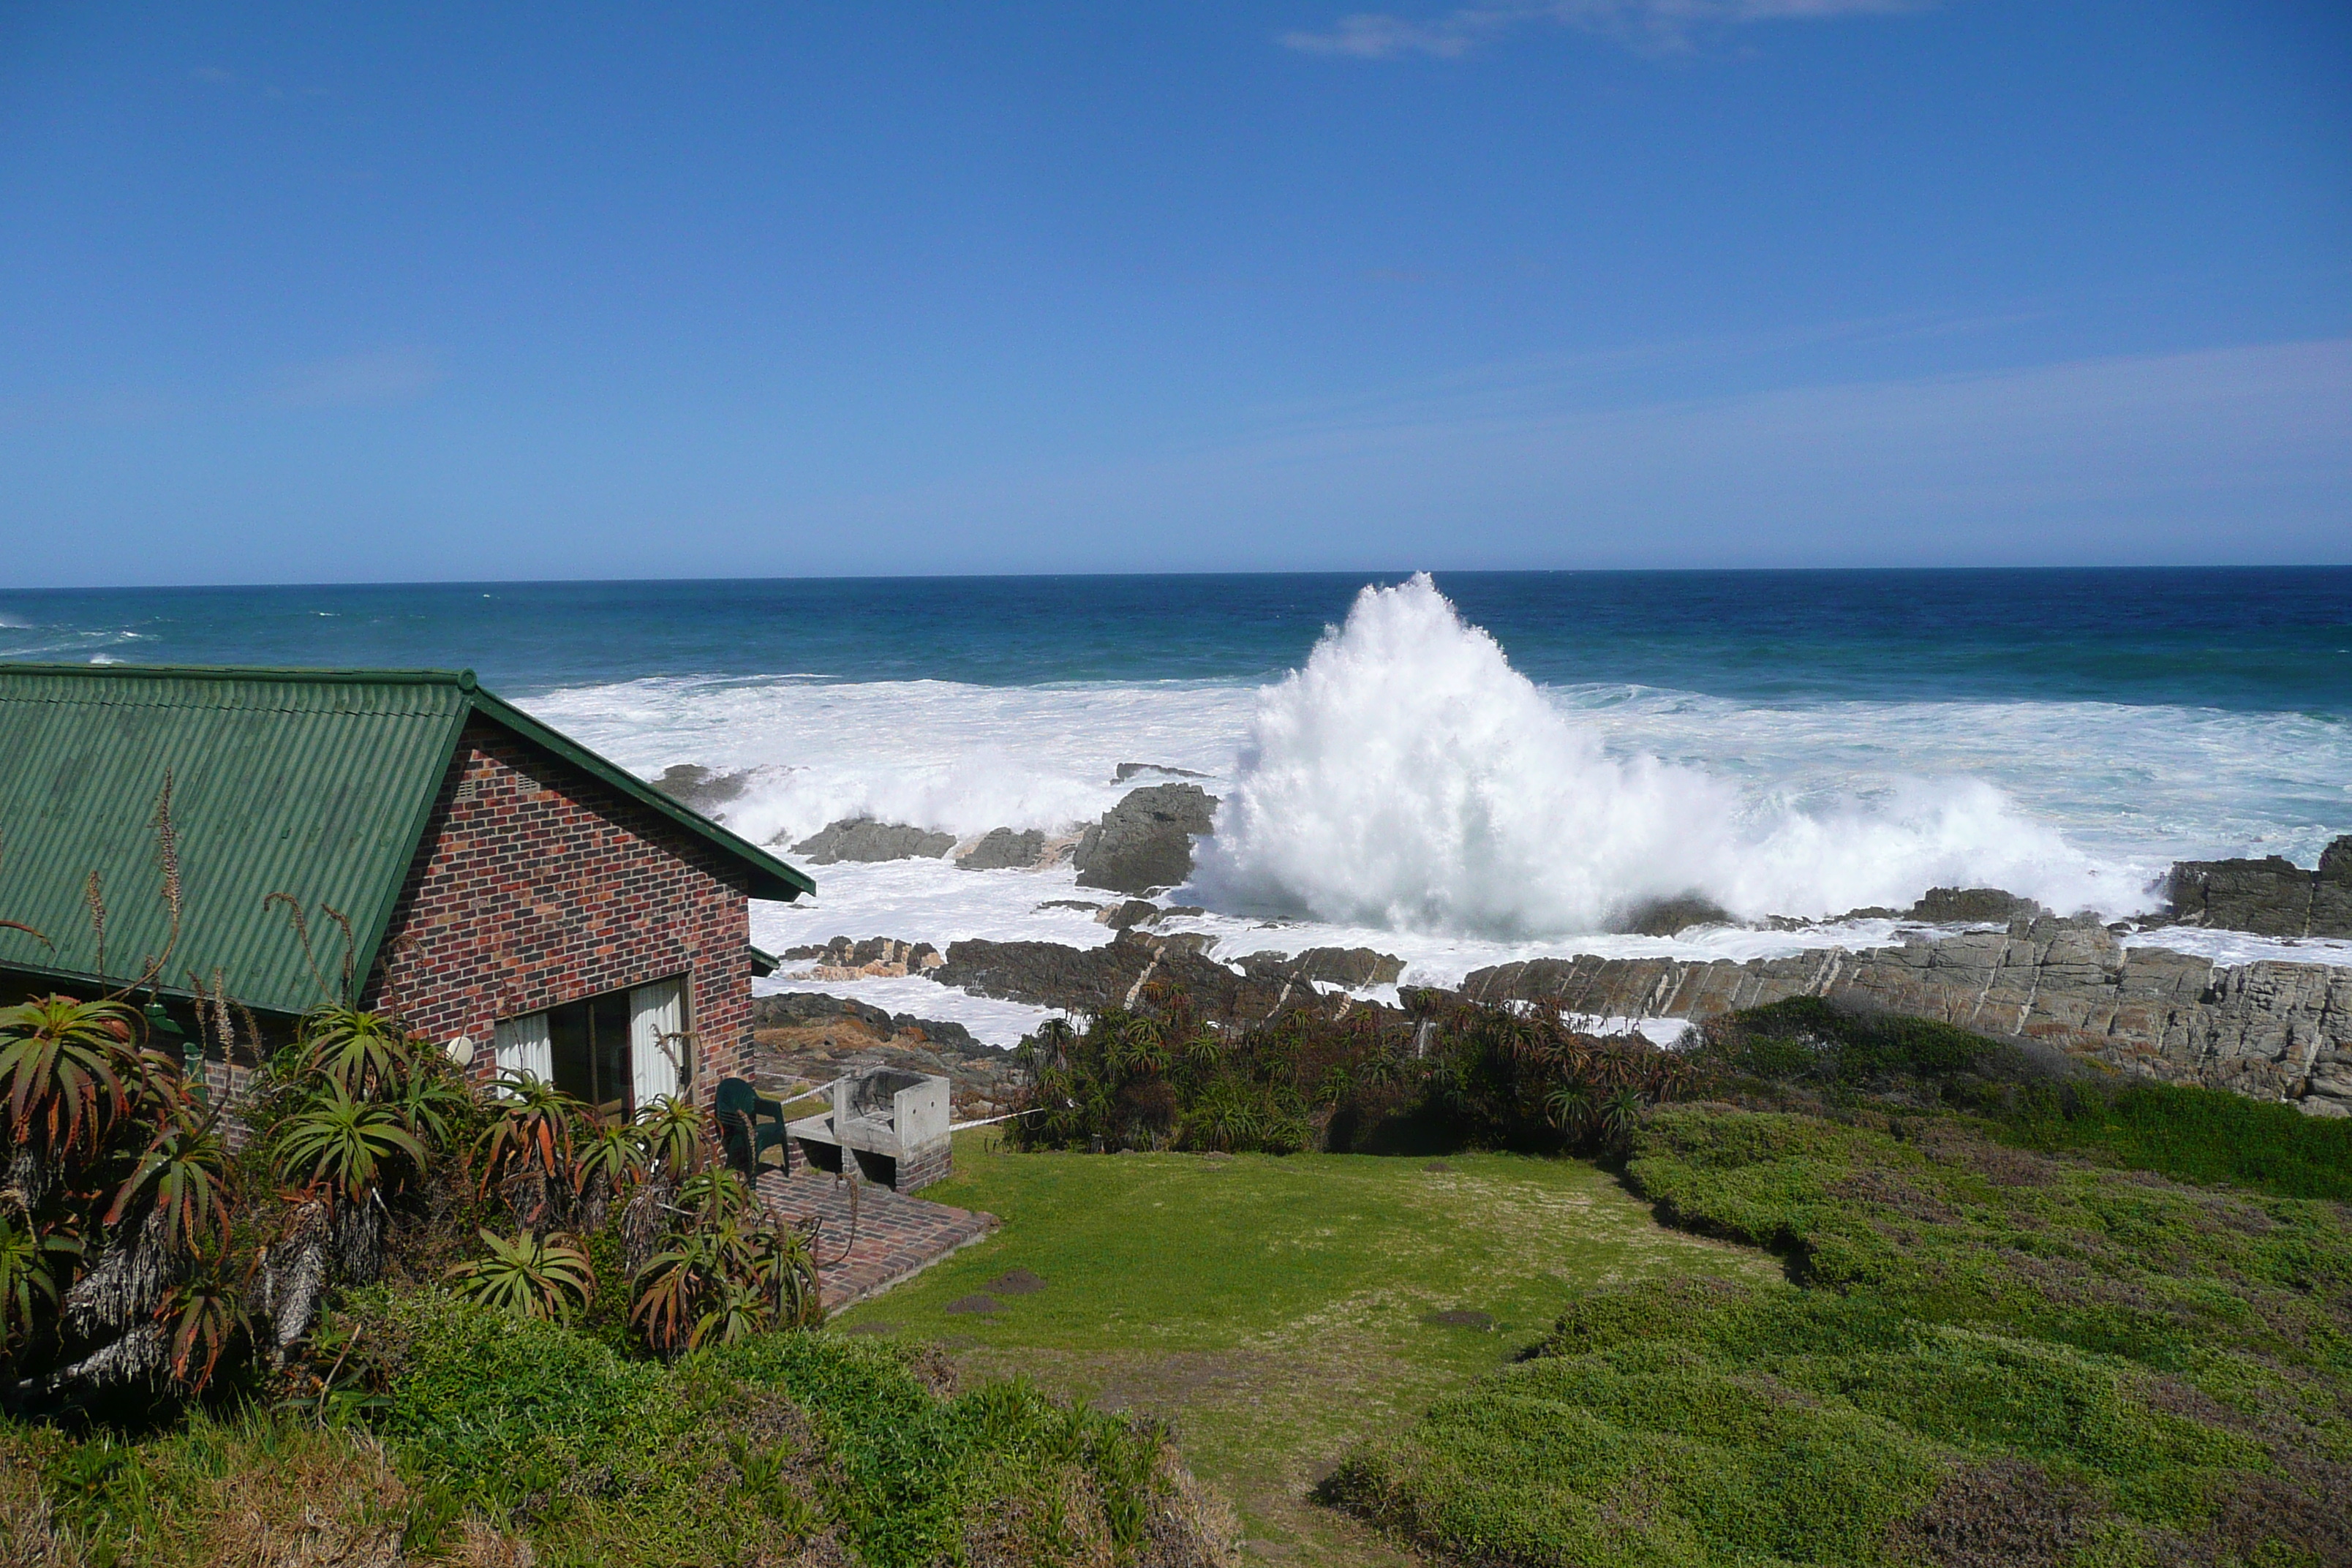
{"x": 1276, "y": 1310}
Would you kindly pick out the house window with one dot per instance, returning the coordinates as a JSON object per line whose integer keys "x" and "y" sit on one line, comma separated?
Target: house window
{"x": 618, "y": 1052}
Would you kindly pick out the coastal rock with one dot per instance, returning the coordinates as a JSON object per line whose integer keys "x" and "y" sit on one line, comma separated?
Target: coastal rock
{"x": 2331, "y": 890}
{"x": 1088, "y": 980}
{"x": 1353, "y": 967}
{"x": 1126, "y": 771}
{"x": 875, "y": 958}
{"x": 2269, "y": 897}
{"x": 803, "y": 1039}
{"x": 1973, "y": 906}
{"x": 1145, "y": 842}
{"x": 2272, "y": 1030}
{"x": 794, "y": 1009}
{"x": 1143, "y": 912}
{"x": 864, "y": 840}
{"x": 1002, "y": 849}
{"x": 700, "y": 789}
{"x": 1664, "y": 917}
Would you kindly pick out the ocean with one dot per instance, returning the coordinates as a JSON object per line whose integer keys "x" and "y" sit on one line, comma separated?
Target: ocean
{"x": 1455, "y": 770}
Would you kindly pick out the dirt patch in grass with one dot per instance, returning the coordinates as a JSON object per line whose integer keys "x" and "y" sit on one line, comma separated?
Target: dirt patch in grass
{"x": 1016, "y": 1282}
{"x": 1461, "y": 1318}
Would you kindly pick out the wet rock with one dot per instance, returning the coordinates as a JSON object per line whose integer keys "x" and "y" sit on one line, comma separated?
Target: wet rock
{"x": 1973, "y": 906}
{"x": 2269, "y": 897}
{"x": 1002, "y": 849}
{"x": 1142, "y": 912}
{"x": 863, "y": 841}
{"x": 2331, "y": 890}
{"x": 700, "y": 789}
{"x": 1664, "y": 917}
{"x": 1145, "y": 842}
{"x": 875, "y": 958}
{"x": 1353, "y": 967}
{"x": 1126, "y": 771}
{"x": 1090, "y": 979}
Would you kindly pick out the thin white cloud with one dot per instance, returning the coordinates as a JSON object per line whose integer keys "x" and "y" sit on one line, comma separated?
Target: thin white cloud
{"x": 1662, "y": 24}
{"x": 391, "y": 376}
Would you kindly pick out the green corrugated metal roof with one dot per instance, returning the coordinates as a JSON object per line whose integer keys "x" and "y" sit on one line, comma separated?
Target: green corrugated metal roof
{"x": 313, "y": 783}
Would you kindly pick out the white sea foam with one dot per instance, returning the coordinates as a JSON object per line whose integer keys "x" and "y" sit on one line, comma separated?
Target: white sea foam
{"x": 1409, "y": 778}
{"x": 1407, "y": 791}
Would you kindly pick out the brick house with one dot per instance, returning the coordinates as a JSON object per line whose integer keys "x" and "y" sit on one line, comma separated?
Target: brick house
{"x": 508, "y": 893}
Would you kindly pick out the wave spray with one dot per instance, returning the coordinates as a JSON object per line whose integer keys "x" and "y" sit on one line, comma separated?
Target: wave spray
{"x": 1408, "y": 777}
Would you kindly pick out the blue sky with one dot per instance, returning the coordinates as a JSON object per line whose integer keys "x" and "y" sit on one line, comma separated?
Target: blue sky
{"x": 312, "y": 293}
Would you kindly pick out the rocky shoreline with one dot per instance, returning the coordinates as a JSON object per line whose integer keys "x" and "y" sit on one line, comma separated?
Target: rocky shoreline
{"x": 2276, "y": 1029}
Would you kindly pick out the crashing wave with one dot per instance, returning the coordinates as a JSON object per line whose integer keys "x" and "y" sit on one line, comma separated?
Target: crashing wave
{"x": 1408, "y": 777}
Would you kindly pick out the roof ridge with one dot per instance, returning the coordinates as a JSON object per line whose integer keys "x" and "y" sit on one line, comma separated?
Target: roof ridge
{"x": 464, "y": 680}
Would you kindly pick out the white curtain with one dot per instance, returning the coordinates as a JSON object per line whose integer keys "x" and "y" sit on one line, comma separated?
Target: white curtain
{"x": 656, "y": 1040}
{"x": 523, "y": 1047}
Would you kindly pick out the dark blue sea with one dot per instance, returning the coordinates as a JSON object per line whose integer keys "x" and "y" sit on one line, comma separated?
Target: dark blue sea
{"x": 2253, "y": 639}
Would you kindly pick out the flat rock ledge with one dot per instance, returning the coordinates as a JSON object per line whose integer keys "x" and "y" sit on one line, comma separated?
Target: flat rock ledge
{"x": 1090, "y": 979}
{"x": 2272, "y": 1030}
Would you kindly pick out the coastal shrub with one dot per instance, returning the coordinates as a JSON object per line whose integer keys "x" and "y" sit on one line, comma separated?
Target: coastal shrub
{"x": 1987, "y": 1355}
{"x": 508, "y": 1440}
{"x": 2192, "y": 1134}
{"x": 2033, "y": 1096}
{"x": 1368, "y": 1081}
{"x": 1807, "y": 1041}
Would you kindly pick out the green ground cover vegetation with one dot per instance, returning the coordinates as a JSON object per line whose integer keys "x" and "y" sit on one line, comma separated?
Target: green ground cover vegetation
{"x": 1993, "y": 1355}
{"x": 499, "y": 1439}
{"x": 2029, "y": 1095}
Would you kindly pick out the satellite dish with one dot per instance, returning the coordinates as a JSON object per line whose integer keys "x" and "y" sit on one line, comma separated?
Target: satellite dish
{"x": 461, "y": 1049}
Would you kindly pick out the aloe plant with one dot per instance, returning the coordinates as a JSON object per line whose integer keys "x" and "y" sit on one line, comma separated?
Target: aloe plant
{"x": 727, "y": 1269}
{"x": 676, "y": 1136}
{"x": 30, "y": 1261}
{"x": 546, "y": 1277}
{"x": 364, "y": 1052}
{"x": 609, "y": 1160}
{"x": 185, "y": 1167}
{"x": 68, "y": 1069}
{"x": 531, "y": 1132}
{"x": 342, "y": 1145}
{"x": 200, "y": 1316}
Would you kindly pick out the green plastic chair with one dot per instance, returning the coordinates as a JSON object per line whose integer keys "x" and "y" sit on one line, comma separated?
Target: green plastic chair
{"x": 750, "y": 1125}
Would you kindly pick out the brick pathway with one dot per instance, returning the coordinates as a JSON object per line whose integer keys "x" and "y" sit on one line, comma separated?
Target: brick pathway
{"x": 896, "y": 1238}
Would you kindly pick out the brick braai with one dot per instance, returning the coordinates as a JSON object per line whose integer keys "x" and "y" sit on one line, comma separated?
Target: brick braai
{"x": 538, "y": 884}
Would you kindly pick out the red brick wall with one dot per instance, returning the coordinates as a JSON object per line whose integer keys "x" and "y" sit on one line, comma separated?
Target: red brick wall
{"x": 538, "y": 884}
